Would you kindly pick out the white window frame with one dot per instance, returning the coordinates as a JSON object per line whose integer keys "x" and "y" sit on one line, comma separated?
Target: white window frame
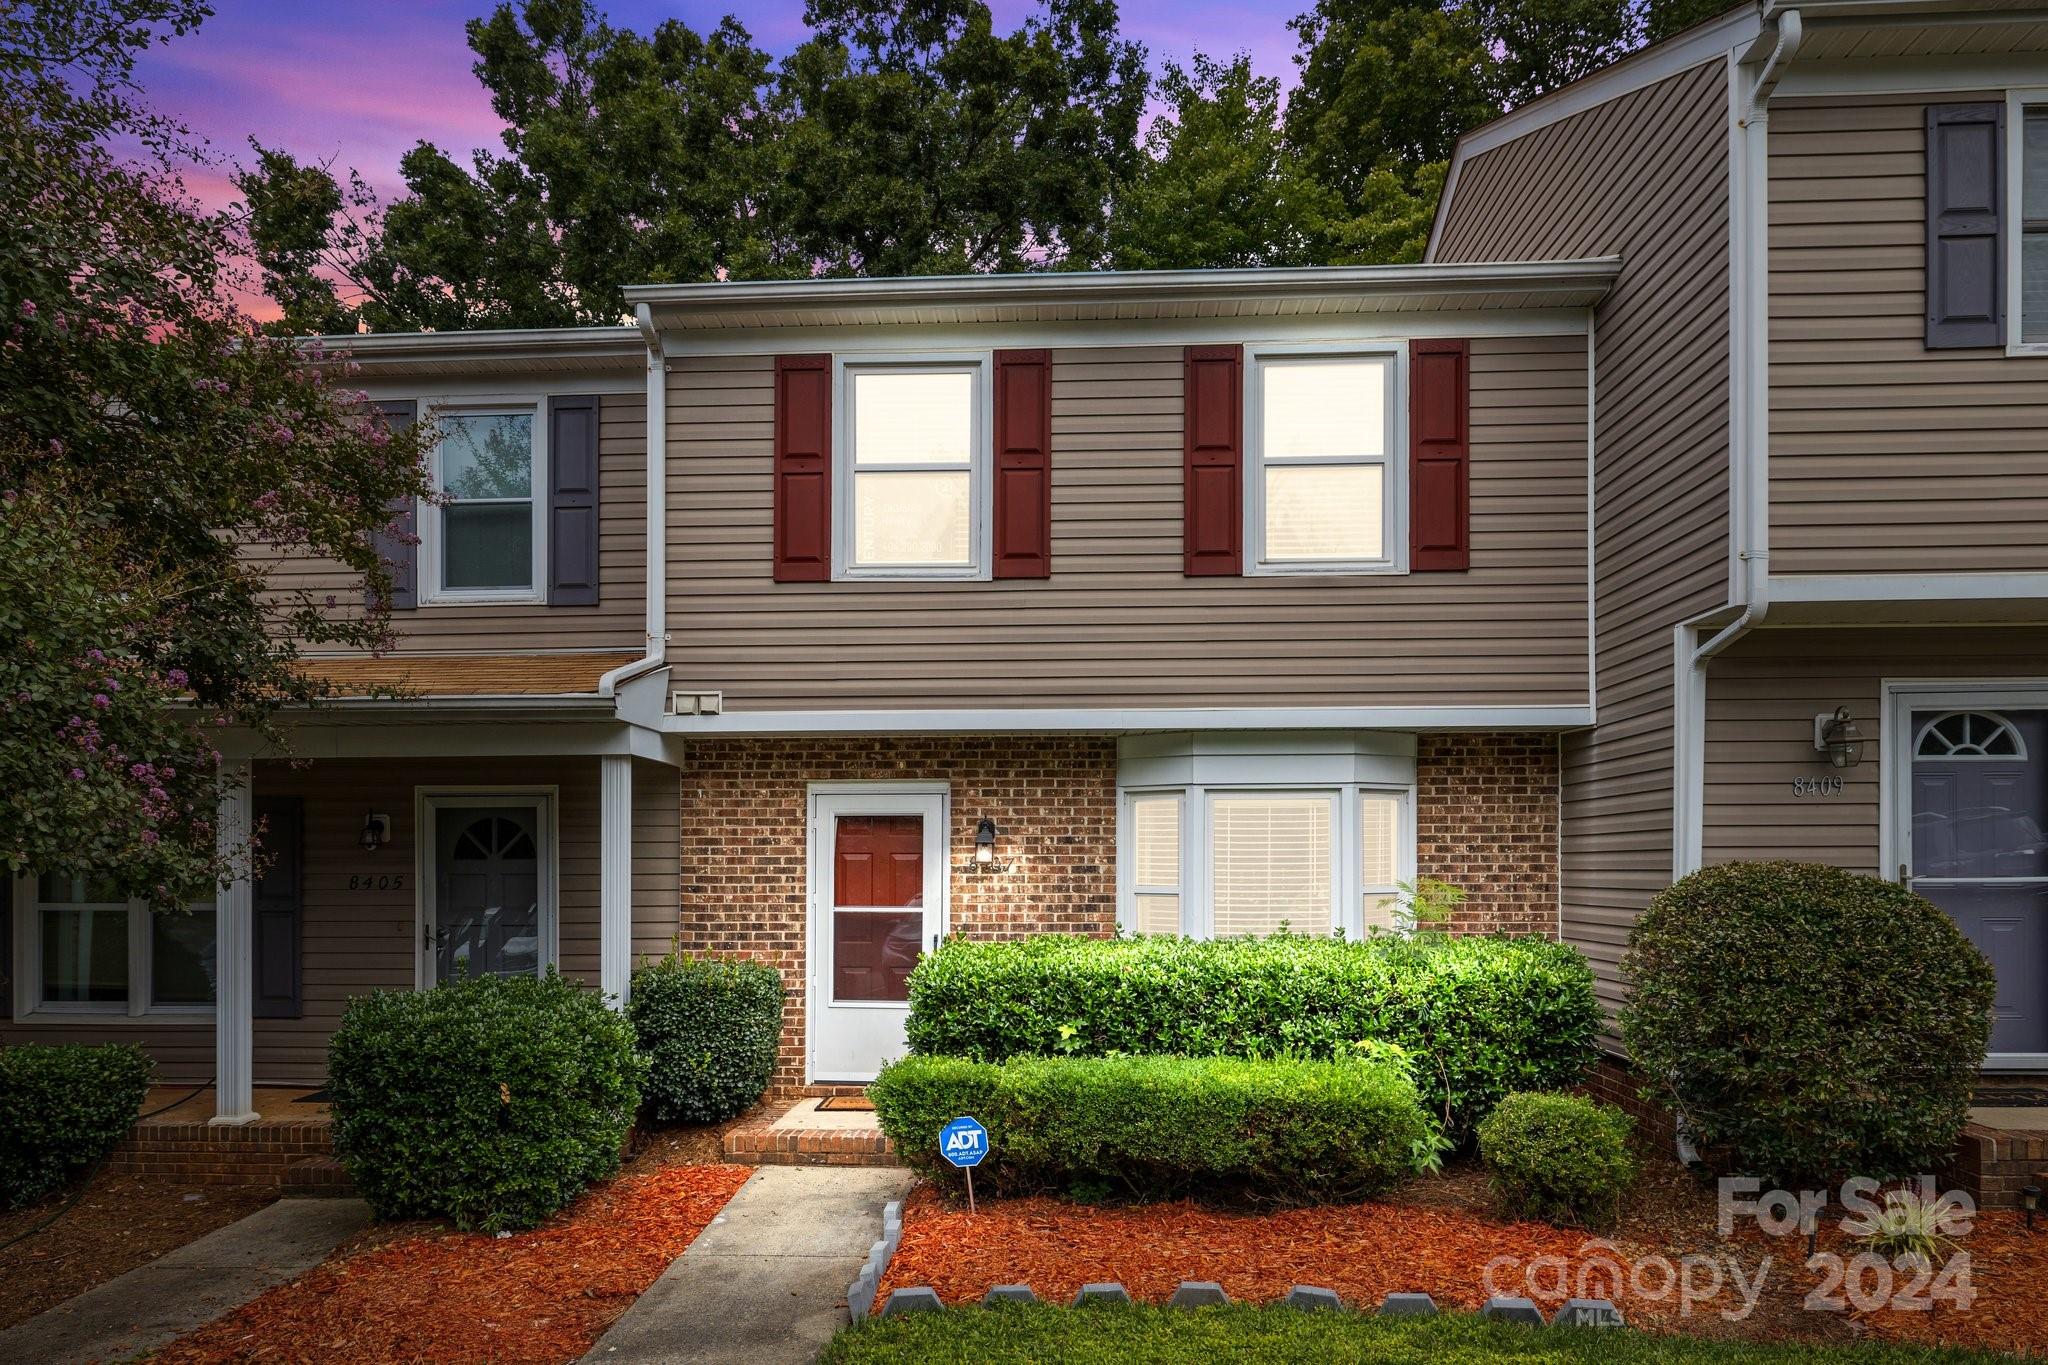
{"x": 1197, "y": 908}
{"x": 431, "y": 591}
{"x": 1394, "y": 461}
{"x": 980, "y": 481}
{"x": 28, "y": 964}
{"x": 2016, "y": 104}
{"x": 428, "y": 802}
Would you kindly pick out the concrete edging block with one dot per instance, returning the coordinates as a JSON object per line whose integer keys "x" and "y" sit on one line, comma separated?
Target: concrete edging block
{"x": 1104, "y": 1291}
{"x": 1588, "y": 1313}
{"x": 920, "y": 1299}
{"x": 1198, "y": 1294}
{"x": 1513, "y": 1308}
{"x": 1313, "y": 1297}
{"x": 1408, "y": 1306}
{"x": 1008, "y": 1293}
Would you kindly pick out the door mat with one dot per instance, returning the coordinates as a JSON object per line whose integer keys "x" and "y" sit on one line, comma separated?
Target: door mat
{"x": 2011, "y": 1097}
{"x": 844, "y": 1103}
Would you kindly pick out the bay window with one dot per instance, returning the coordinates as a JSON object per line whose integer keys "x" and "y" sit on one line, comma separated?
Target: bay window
{"x": 82, "y": 948}
{"x": 1226, "y": 861}
{"x": 1324, "y": 483}
{"x": 911, "y": 459}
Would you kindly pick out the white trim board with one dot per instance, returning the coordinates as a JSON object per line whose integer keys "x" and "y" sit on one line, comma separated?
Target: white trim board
{"x": 1909, "y": 587}
{"x": 1110, "y": 720}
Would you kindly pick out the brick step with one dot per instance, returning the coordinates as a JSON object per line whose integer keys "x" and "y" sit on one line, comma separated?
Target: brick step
{"x": 316, "y": 1177}
{"x": 802, "y": 1135}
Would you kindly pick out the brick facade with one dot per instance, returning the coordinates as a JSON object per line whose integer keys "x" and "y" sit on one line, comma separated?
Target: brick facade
{"x": 1486, "y": 821}
{"x": 744, "y": 842}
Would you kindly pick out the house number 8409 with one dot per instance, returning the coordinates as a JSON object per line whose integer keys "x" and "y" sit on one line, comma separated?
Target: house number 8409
{"x": 1817, "y": 786}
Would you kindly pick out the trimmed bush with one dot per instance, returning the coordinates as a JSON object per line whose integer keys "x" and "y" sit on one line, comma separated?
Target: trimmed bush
{"x": 1807, "y": 1023}
{"x": 1480, "y": 1016}
{"x": 1561, "y": 1158}
{"x": 709, "y": 1028}
{"x": 62, "y": 1108}
{"x": 489, "y": 1101}
{"x": 1158, "y": 1127}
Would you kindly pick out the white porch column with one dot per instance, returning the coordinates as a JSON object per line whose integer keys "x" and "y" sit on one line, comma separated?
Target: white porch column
{"x": 615, "y": 876}
{"x": 234, "y": 920}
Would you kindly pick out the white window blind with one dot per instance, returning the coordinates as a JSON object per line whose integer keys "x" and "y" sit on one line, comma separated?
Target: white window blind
{"x": 1155, "y": 863}
{"x": 1324, "y": 444}
{"x": 1269, "y": 859}
{"x": 1379, "y": 844}
{"x": 913, "y": 468}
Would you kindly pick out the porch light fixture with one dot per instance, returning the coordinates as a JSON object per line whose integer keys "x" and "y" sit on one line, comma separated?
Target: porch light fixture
{"x": 985, "y": 842}
{"x": 376, "y": 832}
{"x": 1837, "y": 736}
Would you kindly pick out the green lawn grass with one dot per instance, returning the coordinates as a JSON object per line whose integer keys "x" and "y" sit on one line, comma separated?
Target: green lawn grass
{"x": 1267, "y": 1336}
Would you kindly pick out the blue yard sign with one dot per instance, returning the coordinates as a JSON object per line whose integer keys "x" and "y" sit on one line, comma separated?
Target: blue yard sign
{"x": 964, "y": 1142}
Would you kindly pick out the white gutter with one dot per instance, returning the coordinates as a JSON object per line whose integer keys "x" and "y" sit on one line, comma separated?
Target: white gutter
{"x": 657, "y": 511}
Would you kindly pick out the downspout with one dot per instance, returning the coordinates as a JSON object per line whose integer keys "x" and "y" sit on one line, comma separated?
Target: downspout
{"x": 657, "y": 511}
{"x": 1749, "y": 446}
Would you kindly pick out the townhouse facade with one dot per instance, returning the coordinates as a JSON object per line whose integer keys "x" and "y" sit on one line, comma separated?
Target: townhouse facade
{"x": 817, "y": 620}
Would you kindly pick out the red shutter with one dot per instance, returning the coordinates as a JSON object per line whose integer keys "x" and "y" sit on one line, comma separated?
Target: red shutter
{"x": 1439, "y": 456}
{"x": 1212, "y": 530}
{"x": 803, "y": 468}
{"x": 1023, "y": 492}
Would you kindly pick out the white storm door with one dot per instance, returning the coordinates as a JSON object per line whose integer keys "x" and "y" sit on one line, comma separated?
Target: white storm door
{"x": 878, "y": 902}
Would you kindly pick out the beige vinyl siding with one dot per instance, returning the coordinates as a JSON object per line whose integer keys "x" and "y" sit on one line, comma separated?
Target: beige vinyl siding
{"x": 1886, "y": 457}
{"x": 1762, "y": 697}
{"x": 1118, "y": 624}
{"x": 357, "y": 940}
{"x": 617, "y": 621}
{"x": 1644, "y": 177}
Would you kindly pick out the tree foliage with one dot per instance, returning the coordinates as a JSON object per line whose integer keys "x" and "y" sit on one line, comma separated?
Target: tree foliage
{"x": 152, "y": 451}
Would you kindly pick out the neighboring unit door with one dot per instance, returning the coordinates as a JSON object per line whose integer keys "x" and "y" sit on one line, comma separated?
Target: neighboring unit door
{"x": 1979, "y": 851}
{"x": 487, "y": 911}
{"x": 878, "y": 876}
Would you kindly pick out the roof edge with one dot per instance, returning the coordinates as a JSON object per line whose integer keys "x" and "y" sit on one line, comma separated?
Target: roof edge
{"x": 553, "y": 343}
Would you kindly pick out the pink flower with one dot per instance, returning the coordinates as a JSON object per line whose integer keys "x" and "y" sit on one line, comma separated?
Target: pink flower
{"x": 149, "y": 836}
{"x": 267, "y": 502}
{"x": 176, "y": 677}
{"x": 102, "y": 700}
{"x": 78, "y": 774}
{"x": 28, "y": 308}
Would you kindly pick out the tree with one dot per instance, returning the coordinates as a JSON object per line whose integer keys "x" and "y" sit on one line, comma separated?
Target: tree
{"x": 1218, "y": 186}
{"x": 1666, "y": 17}
{"x": 919, "y": 141}
{"x": 153, "y": 450}
{"x": 628, "y": 159}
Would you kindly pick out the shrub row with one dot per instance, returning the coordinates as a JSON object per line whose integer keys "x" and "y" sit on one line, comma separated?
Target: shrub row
{"x": 61, "y": 1109}
{"x": 1164, "y": 1126}
{"x": 710, "y": 1029}
{"x": 1480, "y": 1016}
{"x": 490, "y": 1101}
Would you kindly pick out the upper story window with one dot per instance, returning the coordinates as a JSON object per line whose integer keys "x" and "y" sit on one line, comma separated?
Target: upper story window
{"x": 482, "y": 540}
{"x": 912, "y": 457}
{"x": 2033, "y": 224}
{"x": 1323, "y": 487}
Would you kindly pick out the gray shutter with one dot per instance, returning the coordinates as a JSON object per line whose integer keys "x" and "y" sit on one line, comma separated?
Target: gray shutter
{"x": 401, "y": 554}
{"x": 1965, "y": 225}
{"x": 572, "y": 501}
{"x": 278, "y": 909}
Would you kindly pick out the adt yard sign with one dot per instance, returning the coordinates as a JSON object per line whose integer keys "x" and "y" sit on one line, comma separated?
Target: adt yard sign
{"x": 964, "y": 1142}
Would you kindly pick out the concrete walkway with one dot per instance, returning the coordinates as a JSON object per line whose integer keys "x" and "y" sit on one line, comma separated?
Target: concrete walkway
{"x": 766, "y": 1282}
{"x": 155, "y": 1304}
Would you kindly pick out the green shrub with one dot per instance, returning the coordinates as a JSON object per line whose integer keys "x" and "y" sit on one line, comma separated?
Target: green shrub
{"x": 490, "y": 1101}
{"x": 1158, "y": 1127}
{"x": 1562, "y": 1158}
{"x": 710, "y": 1029}
{"x": 1479, "y": 1016}
{"x": 61, "y": 1109}
{"x": 1807, "y": 1023}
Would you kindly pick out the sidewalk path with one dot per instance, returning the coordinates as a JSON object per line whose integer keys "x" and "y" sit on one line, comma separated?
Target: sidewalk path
{"x": 766, "y": 1282}
{"x": 155, "y": 1304}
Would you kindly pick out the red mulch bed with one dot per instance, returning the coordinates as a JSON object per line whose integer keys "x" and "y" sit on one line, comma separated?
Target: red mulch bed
{"x": 1436, "y": 1237}
{"x": 542, "y": 1296}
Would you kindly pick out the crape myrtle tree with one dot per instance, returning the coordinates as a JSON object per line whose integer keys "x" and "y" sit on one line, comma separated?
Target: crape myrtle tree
{"x": 153, "y": 451}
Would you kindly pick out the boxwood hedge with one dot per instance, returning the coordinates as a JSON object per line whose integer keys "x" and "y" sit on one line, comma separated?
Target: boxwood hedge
{"x": 1164, "y": 1126}
{"x": 709, "y": 1028}
{"x": 1563, "y": 1158}
{"x": 1480, "y": 1017}
{"x": 62, "y": 1108}
{"x": 489, "y": 1101}
{"x": 1808, "y": 1024}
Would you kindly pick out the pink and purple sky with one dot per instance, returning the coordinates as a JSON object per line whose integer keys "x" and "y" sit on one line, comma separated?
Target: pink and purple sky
{"x": 360, "y": 82}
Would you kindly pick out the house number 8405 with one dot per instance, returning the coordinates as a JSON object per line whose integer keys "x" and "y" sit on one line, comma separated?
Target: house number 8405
{"x": 383, "y": 881}
{"x": 1817, "y": 786}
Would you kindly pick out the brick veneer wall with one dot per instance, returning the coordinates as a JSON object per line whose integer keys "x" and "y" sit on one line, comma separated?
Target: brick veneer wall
{"x": 1486, "y": 820}
{"x": 744, "y": 844}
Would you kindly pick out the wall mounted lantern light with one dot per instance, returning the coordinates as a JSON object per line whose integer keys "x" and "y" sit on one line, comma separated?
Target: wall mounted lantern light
{"x": 376, "y": 832}
{"x": 1835, "y": 735}
{"x": 985, "y": 842}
